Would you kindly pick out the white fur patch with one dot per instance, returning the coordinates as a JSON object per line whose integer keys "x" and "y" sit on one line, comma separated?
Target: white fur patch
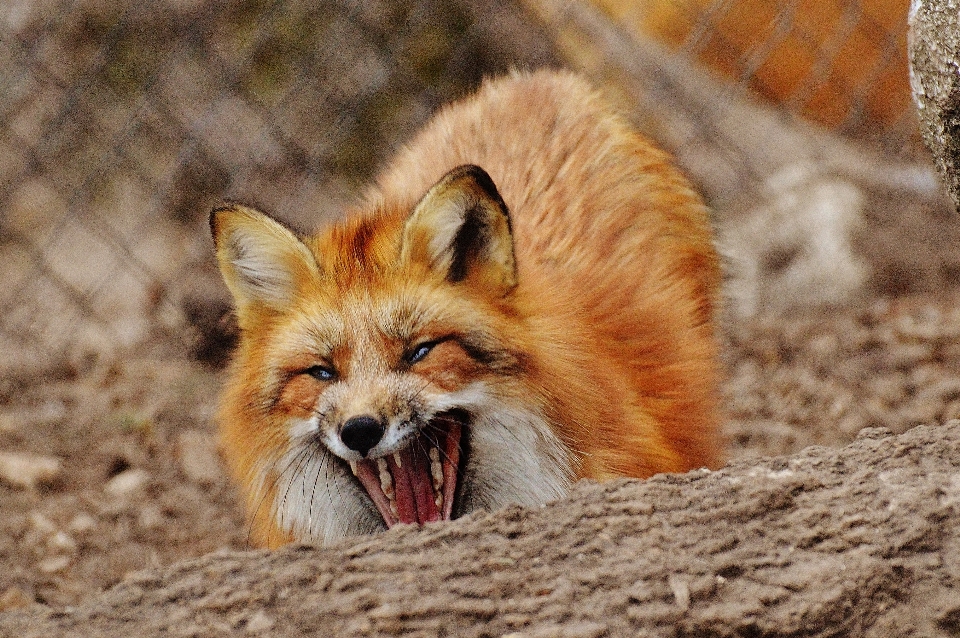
{"x": 445, "y": 224}
{"x": 315, "y": 500}
{"x": 515, "y": 458}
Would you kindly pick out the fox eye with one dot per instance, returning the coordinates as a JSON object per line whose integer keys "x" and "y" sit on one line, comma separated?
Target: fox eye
{"x": 419, "y": 352}
{"x": 321, "y": 373}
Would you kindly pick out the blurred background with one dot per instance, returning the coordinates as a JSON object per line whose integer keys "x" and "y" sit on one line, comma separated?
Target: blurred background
{"x": 122, "y": 123}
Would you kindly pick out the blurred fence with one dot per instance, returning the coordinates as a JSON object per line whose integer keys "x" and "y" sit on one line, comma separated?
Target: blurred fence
{"x": 121, "y": 123}
{"x": 840, "y": 63}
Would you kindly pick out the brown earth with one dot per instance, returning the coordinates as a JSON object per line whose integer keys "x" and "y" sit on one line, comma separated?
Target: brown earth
{"x": 851, "y": 542}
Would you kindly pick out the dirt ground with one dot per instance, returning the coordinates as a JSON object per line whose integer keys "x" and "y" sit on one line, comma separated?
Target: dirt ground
{"x": 855, "y": 542}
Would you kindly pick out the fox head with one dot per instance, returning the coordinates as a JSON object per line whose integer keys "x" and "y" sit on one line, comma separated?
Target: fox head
{"x": 382, "y": 375}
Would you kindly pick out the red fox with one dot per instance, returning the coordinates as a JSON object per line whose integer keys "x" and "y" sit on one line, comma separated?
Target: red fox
{"x": 526, "y": 299}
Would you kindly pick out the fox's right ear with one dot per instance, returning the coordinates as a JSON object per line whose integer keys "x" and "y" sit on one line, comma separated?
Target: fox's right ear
{"x": 263, "y": 263}
{"x": 461, "y": 228}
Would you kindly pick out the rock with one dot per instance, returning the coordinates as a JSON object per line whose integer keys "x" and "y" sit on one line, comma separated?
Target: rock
{"x": 859, "y": 542}
{"x": 259, "y": 622}
{"x": 61, "y": 542}
{"x": 934, "y": 48}
{"x": 15, "y": 418}
{"x": 55, "y": 564}
{"x": 82, "y": 523}
{"x": 42, "y": 525}
{"x": 150, "y": 517}
{"x": 126, "y": 483}
{"x": 29, "y": 471}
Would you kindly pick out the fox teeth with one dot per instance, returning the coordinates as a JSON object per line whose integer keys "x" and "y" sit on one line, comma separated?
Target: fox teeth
{"x": 353, "y": 467}
{"x": 386, "y": 481}
{"x": 436, "y": 469}
{"x": 386, "y": 478}
{"x": 386, "y": 484}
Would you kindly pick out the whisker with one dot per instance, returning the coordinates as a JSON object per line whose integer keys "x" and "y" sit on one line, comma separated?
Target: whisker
{"x": 301, "y": 458}
{"x": 265, "y": 450}
{"x": 430, "y": 433}
{"x": 322, "y": 457}
{"x": 271, "y": 442}
{"x": 416, "y": 395}
{"x": 332, "y": 504}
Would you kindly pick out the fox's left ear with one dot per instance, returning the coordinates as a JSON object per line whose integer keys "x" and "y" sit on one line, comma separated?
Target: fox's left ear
{"x": 461, "y": 228}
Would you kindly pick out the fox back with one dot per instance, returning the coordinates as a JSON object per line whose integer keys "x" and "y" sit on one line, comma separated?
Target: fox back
{"x": 525, "y": 299}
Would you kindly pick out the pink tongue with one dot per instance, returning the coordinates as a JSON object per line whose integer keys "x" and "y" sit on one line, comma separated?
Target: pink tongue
{"x": 412, "y": 480}
{"x": 413, "y": 486}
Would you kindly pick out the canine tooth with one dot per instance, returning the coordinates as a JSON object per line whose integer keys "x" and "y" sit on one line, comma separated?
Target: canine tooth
{"x": 436, "y": 469}
{"x": 353, "y": 467}
{"x": 386, "y": 479}
{"x": 396, "y": 459}
{"x": 439, "y": 502}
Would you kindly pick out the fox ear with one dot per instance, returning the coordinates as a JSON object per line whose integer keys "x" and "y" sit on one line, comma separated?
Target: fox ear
{"x": 261, "y": 260}
{"x": 461, "y": 228}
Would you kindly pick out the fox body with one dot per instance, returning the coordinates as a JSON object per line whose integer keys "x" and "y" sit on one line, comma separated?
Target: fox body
{"x": 526, "y": 299}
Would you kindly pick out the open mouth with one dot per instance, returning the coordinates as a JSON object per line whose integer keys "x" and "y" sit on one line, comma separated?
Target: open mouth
{"x": 418, "y": 483}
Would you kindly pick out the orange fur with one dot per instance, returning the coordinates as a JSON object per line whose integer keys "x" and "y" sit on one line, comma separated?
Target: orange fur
{"x": 603, "y": 324}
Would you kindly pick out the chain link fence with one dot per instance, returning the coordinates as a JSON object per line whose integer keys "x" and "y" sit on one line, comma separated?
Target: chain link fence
{"x": 122, "y": 123}
{"x": 840, "y": 63}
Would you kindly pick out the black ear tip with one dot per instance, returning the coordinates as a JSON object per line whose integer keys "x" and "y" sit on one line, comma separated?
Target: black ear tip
{"x": 474, "y": 172}
{"x": 214, "y": 220}
{"x": 480, "y": 177}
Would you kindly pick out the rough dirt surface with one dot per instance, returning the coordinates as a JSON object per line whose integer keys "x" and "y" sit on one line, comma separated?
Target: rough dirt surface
{"x": 851, "y": 542}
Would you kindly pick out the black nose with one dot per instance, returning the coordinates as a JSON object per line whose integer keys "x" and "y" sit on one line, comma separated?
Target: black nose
{"x": 362, "y": 433}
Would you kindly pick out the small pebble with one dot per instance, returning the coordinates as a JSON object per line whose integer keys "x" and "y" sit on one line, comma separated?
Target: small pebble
{"x": 259, "y": 622}
{"x": 126, "y": 483}
{"x": 62, "y": 542}
{"x": 54, "y": 564}
{"x": 42, "y": 524}
{"x": 82, "y": 523}
{"x": 28, "y": 470}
